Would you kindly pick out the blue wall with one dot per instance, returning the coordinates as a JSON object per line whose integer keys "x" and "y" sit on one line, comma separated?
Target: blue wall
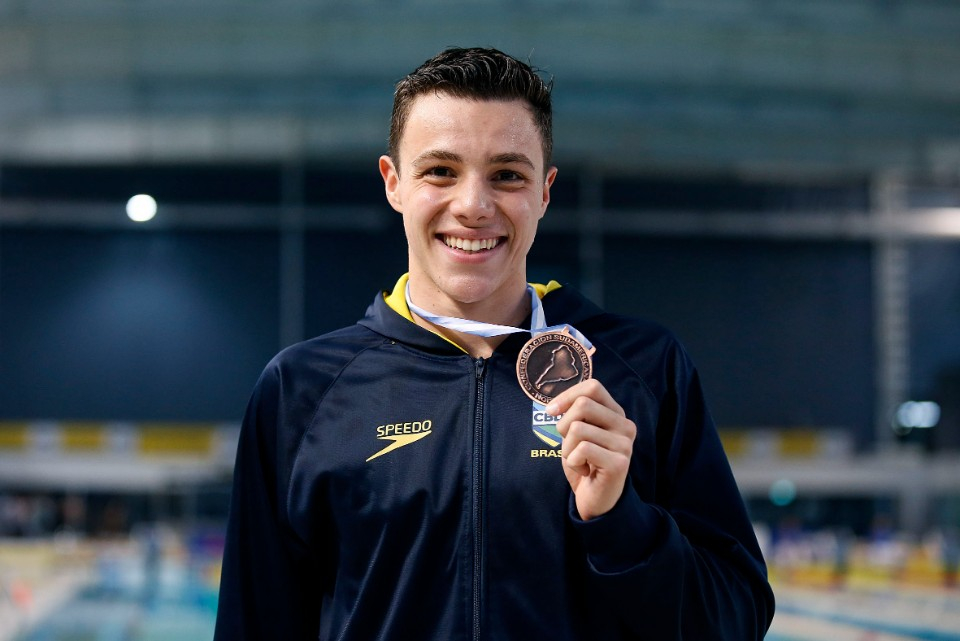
{"x": 124, "y": 325}
{"x": 781, "y": 331}
{"x": 177, "y": 323}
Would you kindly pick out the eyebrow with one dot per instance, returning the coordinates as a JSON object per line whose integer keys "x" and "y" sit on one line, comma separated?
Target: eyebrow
{"x": 511, "y": 157}
{"x": 436, "y": 154}
{"x": 449, "y": 156}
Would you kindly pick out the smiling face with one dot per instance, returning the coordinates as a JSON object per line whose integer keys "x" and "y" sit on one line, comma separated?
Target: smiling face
{"x": 472, "y": 187}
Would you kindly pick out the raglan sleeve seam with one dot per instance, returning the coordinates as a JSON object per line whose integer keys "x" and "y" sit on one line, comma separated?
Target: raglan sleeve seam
{"x": 288, "y": 481}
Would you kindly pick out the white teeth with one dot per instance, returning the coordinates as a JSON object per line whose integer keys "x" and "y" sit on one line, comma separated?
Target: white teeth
{"x": 471, "y": 245}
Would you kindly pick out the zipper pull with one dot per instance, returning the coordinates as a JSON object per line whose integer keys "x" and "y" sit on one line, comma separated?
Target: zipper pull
{"x": 480, "y": 364}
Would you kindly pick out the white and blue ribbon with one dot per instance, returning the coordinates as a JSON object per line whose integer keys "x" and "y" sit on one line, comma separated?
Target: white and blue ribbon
{"x": 538, "y": 323}
{"x": 543, "y": 425}
{"x": 478, "y": 328}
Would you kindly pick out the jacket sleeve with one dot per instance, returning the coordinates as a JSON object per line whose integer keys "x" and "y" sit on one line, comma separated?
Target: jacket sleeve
{"x": 685, "y": 564}
{"x": 269, "y": 585}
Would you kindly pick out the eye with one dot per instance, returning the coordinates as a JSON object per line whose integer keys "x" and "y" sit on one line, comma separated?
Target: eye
{"x": 508, "y": 175}
{"x": 437, "y": 172}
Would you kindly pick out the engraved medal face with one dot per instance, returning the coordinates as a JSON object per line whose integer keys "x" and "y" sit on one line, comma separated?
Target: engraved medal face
{"x": 551, "y": 363}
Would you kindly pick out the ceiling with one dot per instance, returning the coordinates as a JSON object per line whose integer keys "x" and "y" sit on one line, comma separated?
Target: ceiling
{"x": 746, "y": 87}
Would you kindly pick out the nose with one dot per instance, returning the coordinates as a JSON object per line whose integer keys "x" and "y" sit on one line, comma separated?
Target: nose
{"x": 472, "y": 199}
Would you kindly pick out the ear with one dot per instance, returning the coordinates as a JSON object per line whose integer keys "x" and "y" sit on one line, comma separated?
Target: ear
{"x": 547, "y": 183}
{"x": 391, "y": 182}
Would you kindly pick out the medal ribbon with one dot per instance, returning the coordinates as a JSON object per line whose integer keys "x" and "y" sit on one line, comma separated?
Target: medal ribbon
{"x": 543, "y": 427}
{"x": 538, "y": 322}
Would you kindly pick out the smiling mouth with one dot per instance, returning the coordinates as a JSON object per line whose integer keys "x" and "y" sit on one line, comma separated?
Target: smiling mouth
{"x": 468, "y": 245}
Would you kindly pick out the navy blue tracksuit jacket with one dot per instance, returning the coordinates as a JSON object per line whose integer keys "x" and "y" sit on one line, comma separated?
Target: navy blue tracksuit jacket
{"x": 389, "y": 486}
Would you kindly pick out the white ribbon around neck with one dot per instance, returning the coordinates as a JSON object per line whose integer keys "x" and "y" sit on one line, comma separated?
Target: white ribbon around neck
{"x": 538, "y": 322}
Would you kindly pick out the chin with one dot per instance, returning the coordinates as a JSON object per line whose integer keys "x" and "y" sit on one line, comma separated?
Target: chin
{"x": 470, "y": 289}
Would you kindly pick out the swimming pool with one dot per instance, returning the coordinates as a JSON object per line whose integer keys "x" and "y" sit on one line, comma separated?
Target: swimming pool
{"x": 163, "y": 587}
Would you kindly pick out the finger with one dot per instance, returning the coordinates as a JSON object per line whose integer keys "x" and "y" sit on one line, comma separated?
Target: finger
{"x": 579, "y": 432}
{"x": 588, "y": 456}
{"x": 591, "y": 388}
{"x": 587, "y": 410}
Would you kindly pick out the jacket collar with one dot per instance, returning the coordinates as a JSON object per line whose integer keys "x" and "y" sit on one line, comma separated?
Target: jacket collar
{"x": 390, "y": 317}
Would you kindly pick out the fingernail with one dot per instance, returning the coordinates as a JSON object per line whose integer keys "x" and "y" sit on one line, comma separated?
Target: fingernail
{"x": 551, "y": 409}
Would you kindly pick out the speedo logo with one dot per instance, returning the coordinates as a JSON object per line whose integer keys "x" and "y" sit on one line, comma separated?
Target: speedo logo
{"x": 401, "y": 434}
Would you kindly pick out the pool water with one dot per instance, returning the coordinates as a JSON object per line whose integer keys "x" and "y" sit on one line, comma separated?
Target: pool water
{"x": 163, "y": 587}
{"x": 97, "y": 616}
{"x": 151, "y": 589}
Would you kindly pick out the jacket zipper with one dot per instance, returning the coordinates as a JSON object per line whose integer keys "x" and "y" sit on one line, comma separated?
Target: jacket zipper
{"x": 480, "y": 366}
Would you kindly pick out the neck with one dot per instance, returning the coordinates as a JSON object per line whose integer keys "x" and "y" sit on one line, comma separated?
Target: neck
{"x": 487, "y": 311}
{"x": 476, "y": 346}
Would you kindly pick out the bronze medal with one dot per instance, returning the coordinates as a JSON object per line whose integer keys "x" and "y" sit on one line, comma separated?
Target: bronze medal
{"x": 551, "y": 363}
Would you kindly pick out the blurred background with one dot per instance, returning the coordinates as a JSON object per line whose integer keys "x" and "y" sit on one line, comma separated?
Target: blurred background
{"x": 776, "y": 181}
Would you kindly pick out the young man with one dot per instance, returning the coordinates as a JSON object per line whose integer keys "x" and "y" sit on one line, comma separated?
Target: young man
{"x": 478, "y": 458}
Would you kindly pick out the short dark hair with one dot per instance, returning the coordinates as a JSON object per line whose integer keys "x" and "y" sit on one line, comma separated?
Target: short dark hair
{"x": 479, "y": 74}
